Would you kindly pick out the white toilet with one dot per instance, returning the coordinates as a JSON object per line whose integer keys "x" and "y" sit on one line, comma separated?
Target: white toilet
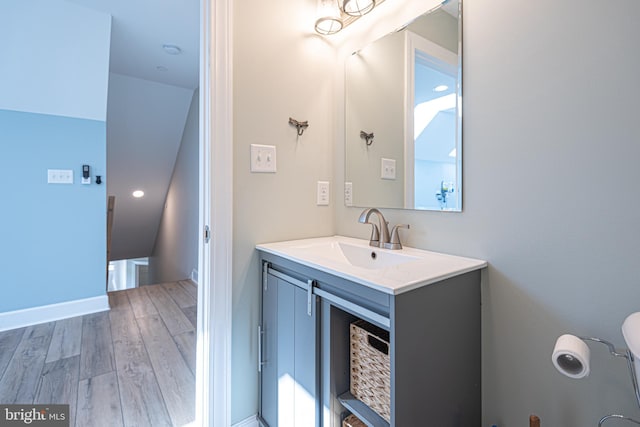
{"x": 631, "y": 334}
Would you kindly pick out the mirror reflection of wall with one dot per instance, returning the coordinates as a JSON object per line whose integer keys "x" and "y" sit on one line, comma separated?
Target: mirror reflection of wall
{"x": 375, "y": 104}
{"x": 405, "y": 89}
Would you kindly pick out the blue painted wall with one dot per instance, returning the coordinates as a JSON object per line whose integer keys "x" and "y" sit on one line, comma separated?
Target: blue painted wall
{"x": 52, "y": 236}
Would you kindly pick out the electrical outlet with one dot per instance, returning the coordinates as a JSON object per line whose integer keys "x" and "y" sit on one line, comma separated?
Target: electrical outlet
{"x": 263, "y": 158}
{"x": 59, "y": 176}
{"x": 323, "y": 193}
{"x": 348, "y": 194}
{"x": 388, "y": 169}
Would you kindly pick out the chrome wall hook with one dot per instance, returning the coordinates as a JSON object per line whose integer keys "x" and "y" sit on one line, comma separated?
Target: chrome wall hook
{"x": 368, "y": 137}
{"x": 301, "y": 126}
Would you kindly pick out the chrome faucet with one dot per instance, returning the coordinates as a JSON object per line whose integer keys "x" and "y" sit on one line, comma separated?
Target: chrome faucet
{"x": 394, "y": 242}
{"x": 375, "y": 234}
{"x": 380, "y": 236}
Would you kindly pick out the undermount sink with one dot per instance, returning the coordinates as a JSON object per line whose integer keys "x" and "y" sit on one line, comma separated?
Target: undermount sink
{"x": 357, "y": 255}
{"x": 392, "y": 271}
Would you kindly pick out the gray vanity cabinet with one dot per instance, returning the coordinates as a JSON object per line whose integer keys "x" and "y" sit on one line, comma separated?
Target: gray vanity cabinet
{"x": 289, "y": 352}
{"x": 435, "y": 348}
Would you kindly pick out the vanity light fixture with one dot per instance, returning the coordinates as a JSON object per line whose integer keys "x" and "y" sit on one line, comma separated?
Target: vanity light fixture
{"x": 329, "y": 21}
{"x": 358, "y": 7}
{"x": 334, "y": 15}
{"x": 328, "y": 25}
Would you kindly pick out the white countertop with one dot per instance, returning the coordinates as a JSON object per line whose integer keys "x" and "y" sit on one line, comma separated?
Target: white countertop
{"x": 392, "y": 271}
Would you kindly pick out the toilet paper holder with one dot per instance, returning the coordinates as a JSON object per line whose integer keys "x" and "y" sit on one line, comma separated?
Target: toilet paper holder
{"x": 570, "y": 362}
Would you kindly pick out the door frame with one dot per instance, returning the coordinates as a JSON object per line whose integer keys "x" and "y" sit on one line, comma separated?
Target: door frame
{"x": 213, "y": 366}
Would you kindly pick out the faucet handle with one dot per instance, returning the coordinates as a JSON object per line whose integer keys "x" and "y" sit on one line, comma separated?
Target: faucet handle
{"x": 394, "y": 241}
{"x": 375, "y": 235}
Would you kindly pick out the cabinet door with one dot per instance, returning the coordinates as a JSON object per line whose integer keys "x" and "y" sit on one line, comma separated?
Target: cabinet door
{"x": 269, "y": 373}
{"x": 290, "y": 351}
{"x": 305, "y": 361}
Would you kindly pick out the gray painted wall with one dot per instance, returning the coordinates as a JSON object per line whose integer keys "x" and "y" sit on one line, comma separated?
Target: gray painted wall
{"x": 550, "y": 141}
{"x": 175, "y": 253}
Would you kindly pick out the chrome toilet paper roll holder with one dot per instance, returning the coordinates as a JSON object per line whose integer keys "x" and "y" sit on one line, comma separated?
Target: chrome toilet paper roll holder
{"x": 568, "y": 360}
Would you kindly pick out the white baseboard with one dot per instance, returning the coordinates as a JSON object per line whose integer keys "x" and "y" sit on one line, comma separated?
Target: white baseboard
{"x": 252, "y": 421}
{"x": 49, "y": 313}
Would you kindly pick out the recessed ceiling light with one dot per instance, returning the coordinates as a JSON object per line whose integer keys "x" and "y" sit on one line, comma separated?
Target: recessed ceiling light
{"x": 440, "y": 88}
{"x": 138, "y": 193}
{"x": 172, "y": 49}
{"x": 162, "y": 68}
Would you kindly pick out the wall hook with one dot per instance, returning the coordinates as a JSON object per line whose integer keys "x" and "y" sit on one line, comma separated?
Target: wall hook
{"x": 368, "y": 137}
{"x": 301, "y": 126}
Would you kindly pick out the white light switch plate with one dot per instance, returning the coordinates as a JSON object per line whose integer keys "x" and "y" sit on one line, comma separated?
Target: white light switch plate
{"x": 323, "y": 193}
{"x": 388, "y": 169}
{"x": 263, "y": 158}
{"x": 348, "y": 194}
{"x": 59, "y": 176}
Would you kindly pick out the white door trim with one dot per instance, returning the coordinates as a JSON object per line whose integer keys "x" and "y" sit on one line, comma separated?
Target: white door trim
{"x": 213, "y": 371}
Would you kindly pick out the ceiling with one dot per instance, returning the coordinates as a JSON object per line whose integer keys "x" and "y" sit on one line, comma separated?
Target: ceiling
{"x": 150, "y": 92}
{"x": 139, "y": 29}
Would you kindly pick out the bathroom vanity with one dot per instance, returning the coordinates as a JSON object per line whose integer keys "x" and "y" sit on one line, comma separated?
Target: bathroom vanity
{"x": 428, "y": 302}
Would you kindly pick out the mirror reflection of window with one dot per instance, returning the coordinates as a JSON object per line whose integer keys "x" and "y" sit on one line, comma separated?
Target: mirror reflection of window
{"x": 434, "y": 133}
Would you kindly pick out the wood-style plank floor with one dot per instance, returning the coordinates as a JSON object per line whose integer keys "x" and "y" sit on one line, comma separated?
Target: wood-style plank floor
{"x": 131, "y": 366}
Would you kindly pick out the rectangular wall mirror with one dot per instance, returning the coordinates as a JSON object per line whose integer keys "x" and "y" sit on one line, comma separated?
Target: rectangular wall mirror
{"x": 403, "y": 104}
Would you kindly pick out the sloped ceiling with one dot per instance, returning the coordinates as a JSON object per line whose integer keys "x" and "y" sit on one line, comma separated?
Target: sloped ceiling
{"x": 145, "y": 121}
{"x": 148, "y": 101}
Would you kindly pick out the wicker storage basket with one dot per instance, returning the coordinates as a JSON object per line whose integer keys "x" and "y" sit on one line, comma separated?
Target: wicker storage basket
{"x": 353, "y": 421}
{"x": 371, "y": 367}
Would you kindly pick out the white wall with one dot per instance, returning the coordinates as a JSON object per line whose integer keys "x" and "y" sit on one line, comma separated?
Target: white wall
{"x": 550, "y": 140}
{"x": 175, "y": 254}
{"x": 54, "y": 68}
{"x": 281, "y": 70}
